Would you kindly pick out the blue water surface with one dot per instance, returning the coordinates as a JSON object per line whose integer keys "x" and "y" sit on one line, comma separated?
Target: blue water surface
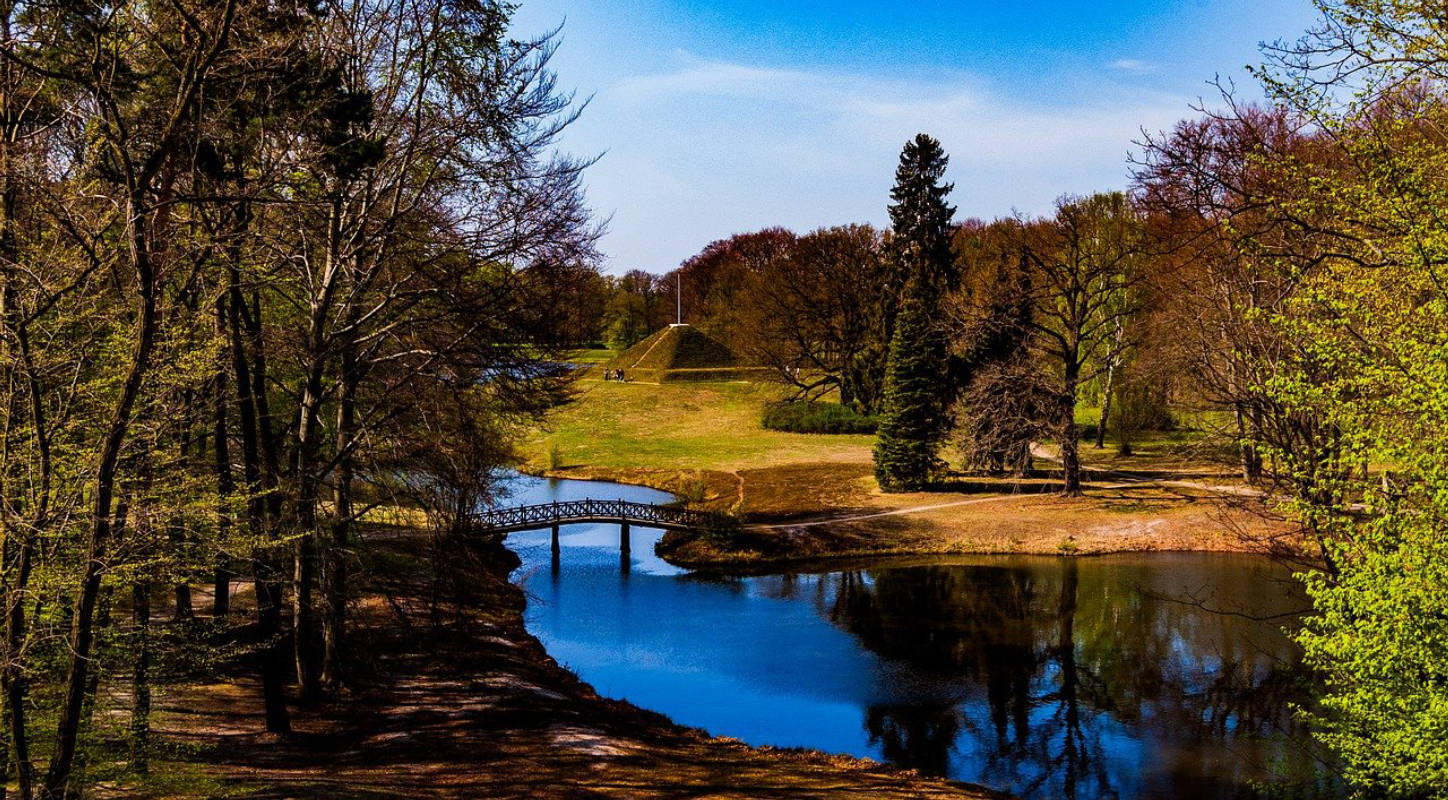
{"x": 1141, "y": 676}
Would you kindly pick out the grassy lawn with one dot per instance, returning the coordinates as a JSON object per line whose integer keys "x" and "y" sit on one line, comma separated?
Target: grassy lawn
{"x": 705, "y": 442}
{"x": 715, "y": 427}
{"x": 1200, "y": 445}
{"x": 680, "y": 426}
{"x": 591, "y": 357}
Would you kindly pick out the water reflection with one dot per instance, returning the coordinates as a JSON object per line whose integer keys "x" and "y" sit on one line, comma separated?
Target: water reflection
{"x": 1100, "y": 678}
{"x": 1116, "y": 677}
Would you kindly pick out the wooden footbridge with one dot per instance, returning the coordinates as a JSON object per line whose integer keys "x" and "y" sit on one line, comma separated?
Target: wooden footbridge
{"x": 502, "y": 521}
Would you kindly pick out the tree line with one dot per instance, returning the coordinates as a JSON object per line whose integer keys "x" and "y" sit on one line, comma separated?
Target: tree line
{"x": 1002, "y": 326}
{"x": 265, "y": 268}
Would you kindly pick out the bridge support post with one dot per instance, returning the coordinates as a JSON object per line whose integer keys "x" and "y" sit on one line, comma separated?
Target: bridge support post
{"x": 556, "y": 552}
{"x": 623, "y": 538}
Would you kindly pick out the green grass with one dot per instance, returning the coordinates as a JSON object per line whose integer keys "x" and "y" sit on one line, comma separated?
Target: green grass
{"x": 718, "y": 426}
{"x": 816, "y": 417}
{"x": 711, "y": 426}
{"x": 1198, "y": 441}
{"x": 591, "y": 357}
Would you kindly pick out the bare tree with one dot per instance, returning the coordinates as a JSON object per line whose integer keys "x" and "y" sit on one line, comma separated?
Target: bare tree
{"x": 819, "y": 314}
{"x": 1083, "y": 264}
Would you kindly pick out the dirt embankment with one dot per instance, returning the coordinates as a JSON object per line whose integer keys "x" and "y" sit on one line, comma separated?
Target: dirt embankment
{"x": 810, "y": 512}
{"x": 459, "y": 701}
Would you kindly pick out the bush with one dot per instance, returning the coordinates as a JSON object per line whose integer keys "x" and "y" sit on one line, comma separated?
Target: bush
{"x": 815, "y": 417}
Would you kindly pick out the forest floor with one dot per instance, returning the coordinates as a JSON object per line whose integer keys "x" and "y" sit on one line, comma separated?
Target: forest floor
{"x": 461, "y": 702}
{"x": 807, "y": 497}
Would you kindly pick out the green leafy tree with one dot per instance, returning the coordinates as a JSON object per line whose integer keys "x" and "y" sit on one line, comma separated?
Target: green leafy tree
{"x": 913, "y": 422}
{"x": 1371, "y": 314}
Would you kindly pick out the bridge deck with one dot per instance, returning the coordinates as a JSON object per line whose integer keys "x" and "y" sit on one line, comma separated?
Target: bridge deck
{"x": 545, "y": 515}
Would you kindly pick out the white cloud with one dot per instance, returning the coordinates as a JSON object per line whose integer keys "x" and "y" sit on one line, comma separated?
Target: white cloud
{"x": 1133, "y": 66}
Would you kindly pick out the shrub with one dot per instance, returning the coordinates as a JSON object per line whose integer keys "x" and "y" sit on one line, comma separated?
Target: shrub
{"x": 815, "y": 417}
{"x": 692, "y": 490}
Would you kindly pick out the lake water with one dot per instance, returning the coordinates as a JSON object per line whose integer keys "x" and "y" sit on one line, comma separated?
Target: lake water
{"x": 1138, "y": 676}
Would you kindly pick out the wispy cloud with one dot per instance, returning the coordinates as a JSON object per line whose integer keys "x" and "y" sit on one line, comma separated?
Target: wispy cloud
{"x": 984, "y": 125}
{"x": 1133, "y": 66}
{"x": 709, "y": 148}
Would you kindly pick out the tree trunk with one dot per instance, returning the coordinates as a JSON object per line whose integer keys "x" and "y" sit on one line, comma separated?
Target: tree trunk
{"x": 258, "y": 469}
{"x": 225, "y": 484}
{"x": 185, "y": 609}
{"x": 141, "y": 678}
{"x": 1106, "y": 406}
{"x": 1073, "y": 742}
{"x": 1251, "y": 455}
{"x": 102, "y": 489}
{"x": 1070, "y": 437}
{"x": 77, "y": 783}
{"x": 305, "y": 638}
{"x": 334, "y": 625}
{"x": 11, "y": 678}
{"x": 17, "y": 554}
{"x": 304, "y": 628}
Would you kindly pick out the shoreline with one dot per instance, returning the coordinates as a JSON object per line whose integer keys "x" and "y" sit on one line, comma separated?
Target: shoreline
{"x": 1193, "y": 518}
{"x": 463, "y": 702}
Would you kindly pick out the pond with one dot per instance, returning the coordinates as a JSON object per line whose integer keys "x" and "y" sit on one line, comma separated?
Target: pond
{"x": 1134, "y": 676}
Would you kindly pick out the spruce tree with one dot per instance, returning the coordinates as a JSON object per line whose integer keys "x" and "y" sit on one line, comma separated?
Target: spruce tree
{"x": 913, "y": 424}
{"x": 920, "y": 219}
{"x": 913, "y": 421}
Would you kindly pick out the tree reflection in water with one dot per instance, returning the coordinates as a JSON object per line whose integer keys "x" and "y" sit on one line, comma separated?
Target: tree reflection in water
{"x": 1096, "y": 683}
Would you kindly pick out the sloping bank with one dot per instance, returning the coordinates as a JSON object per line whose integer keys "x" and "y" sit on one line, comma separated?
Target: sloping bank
{"x": 810, "y": 513}
{"x": 459, "y": 701}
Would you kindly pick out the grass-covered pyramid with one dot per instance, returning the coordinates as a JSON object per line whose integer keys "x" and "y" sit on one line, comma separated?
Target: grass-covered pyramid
{"x": 680, "y": 353}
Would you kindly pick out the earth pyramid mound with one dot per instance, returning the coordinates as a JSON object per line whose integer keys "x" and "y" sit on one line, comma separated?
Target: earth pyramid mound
{"x": 679, "y": 353}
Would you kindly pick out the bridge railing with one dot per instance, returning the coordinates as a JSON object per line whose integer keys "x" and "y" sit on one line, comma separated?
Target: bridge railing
{"x": 566, "y": 512}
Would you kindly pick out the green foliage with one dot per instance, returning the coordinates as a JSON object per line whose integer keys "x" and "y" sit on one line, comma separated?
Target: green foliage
{"x": 164, "y": 427}
{"x": 1380, "y": 631}
{"x": 914, "y": 423}
{"x": 920, "y": 219}
{"x": 913, "y": 419}
{"x": 1380, "y": 634}
{"x": 627, "y": 326}
{"x": 634, "y": 309}
{"x": 1371, "y": 323}
{"x": 1141, "y": 405}
{"x": 803, "y": 416}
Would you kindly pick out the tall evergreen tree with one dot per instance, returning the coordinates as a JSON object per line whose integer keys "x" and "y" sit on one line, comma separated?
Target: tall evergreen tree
{"x": 917, "y": 386}
{"x": 914, "y": 423}
{"x": 920, "y": 219}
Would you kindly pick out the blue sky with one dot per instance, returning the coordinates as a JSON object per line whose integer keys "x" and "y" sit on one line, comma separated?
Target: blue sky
{"x": 715, "y": 117}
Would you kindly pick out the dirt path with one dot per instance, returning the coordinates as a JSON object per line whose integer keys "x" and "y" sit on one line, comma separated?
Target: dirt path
{"x": 824, "y": 521}
{"x": 462, "y": 703}
{"x": 877, "y": 515}
{"x": 796, "y": 519}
